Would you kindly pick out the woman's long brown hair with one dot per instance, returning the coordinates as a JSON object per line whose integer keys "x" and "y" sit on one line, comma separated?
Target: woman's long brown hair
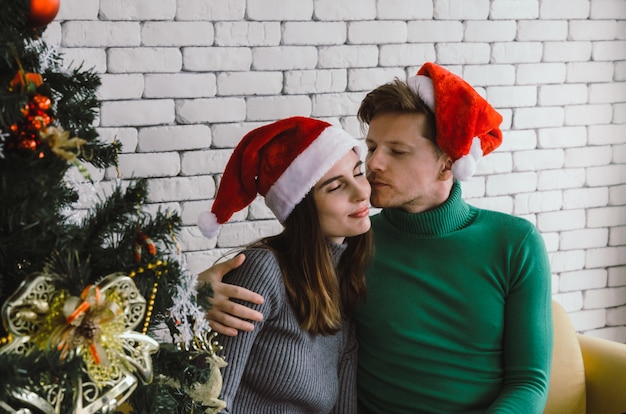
{"x": 321, "y": 296}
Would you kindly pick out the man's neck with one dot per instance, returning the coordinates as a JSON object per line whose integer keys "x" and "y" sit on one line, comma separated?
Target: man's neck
{"x": 439, "y": 196}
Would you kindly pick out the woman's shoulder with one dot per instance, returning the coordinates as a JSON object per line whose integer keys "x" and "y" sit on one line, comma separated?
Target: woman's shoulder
{"x": 260, "y": 269}
{"x": 256, "y": 251}
{"x": 260, "y": 257}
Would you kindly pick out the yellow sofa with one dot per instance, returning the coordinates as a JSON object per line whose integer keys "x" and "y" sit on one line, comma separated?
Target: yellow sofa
{"x": 588, "y": 374}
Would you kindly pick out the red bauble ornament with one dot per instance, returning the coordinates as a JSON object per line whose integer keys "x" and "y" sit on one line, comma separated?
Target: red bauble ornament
{"x": 42, "y": 12}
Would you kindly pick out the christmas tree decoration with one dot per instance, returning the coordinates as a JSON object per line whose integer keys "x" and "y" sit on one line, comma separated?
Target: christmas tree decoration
{"x": 63, "y": 146}
{"x": 208, "y": 392}
{"x": 29, "y": 82}
{"x": 25, "y": 136}
{"x": 142, "y": 240}
{"x": 97, "y": 327}
{"x": 193, "y": 337}
{"x": 42, "y": 12}
{"x": 88, "y": 294}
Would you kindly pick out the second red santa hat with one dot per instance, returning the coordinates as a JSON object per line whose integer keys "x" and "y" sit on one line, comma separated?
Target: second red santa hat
{"x": 281, "y": 161}
{"x": 467, "y": 125}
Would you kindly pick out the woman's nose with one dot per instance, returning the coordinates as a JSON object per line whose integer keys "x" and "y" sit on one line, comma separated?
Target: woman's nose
{"x": 362, "y": 190}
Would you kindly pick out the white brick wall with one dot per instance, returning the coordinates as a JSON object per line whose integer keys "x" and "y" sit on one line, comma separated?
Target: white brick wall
{"x": 184, "y": 80}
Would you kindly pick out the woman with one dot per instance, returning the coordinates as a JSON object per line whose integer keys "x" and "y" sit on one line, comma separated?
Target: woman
{"x": 302, "y": 357}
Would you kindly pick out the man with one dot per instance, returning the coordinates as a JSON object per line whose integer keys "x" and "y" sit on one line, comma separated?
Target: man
{"x": 458, "y": 313}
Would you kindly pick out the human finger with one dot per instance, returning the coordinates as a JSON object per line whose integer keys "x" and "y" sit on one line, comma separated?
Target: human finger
{"x": 237, "y": 292}
{"x": 216, "y": 272}
{"x": 221, "y": 329}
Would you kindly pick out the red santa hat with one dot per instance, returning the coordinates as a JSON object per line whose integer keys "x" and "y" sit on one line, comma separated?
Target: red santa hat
{"x": 467, "y": 125}
{"x": 281, "y": 161}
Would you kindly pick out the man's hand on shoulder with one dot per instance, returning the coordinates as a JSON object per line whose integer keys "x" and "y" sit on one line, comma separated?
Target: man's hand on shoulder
{"x": 225, "y": 316}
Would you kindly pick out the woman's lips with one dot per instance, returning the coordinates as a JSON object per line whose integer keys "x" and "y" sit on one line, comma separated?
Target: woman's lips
{"x": 364, "y": 212}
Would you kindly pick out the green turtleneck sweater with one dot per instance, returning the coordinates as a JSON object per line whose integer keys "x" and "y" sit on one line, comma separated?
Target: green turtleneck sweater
{"x": 458, "y": 314}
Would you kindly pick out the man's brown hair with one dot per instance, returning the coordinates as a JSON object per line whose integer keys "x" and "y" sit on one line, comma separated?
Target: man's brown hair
{"x": 396, "y": 96}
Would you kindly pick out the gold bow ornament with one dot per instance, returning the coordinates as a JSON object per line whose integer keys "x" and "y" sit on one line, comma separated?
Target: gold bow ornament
{"x": 97, "y": 326}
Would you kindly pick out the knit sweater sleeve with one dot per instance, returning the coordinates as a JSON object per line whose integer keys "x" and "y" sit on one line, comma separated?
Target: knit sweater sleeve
{"x": 528, "y": 336}
{"x": 260, "y": 273}
{"x": 347, "y": 401}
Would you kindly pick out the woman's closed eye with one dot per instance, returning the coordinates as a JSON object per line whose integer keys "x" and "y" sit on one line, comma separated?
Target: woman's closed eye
{"x": 358, "y": 169}
{"x": 334, "y": 186}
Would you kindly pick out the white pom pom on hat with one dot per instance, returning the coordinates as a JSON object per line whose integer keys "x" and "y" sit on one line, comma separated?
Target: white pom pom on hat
{"x": 467, "y": 125}
{"x": 281, "y": 161}
{"x": 208, "y": 225}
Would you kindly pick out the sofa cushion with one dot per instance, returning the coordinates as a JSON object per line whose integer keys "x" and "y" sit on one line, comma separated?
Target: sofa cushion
{"x": 567, "y": 375}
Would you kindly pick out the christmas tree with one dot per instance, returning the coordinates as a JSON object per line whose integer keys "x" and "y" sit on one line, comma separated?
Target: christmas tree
{"x": 99, "y": 313}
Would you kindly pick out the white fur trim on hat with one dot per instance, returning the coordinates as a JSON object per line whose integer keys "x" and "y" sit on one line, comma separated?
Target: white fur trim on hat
{"x": 307, "y": 169}
{"x": 463, "y": 168}
{"x": 424, "y": 88}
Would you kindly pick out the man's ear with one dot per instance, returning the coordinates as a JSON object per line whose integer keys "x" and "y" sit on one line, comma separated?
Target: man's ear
{"x": 446, "y": 168}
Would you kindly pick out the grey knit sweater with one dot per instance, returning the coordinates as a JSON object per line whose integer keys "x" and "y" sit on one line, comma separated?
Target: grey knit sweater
{"x": 278, "y": 368}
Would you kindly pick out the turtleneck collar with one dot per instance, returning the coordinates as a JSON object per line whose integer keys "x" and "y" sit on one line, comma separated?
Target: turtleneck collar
{"x": 336, "y": 250}
{"x": 454, "y": 214}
